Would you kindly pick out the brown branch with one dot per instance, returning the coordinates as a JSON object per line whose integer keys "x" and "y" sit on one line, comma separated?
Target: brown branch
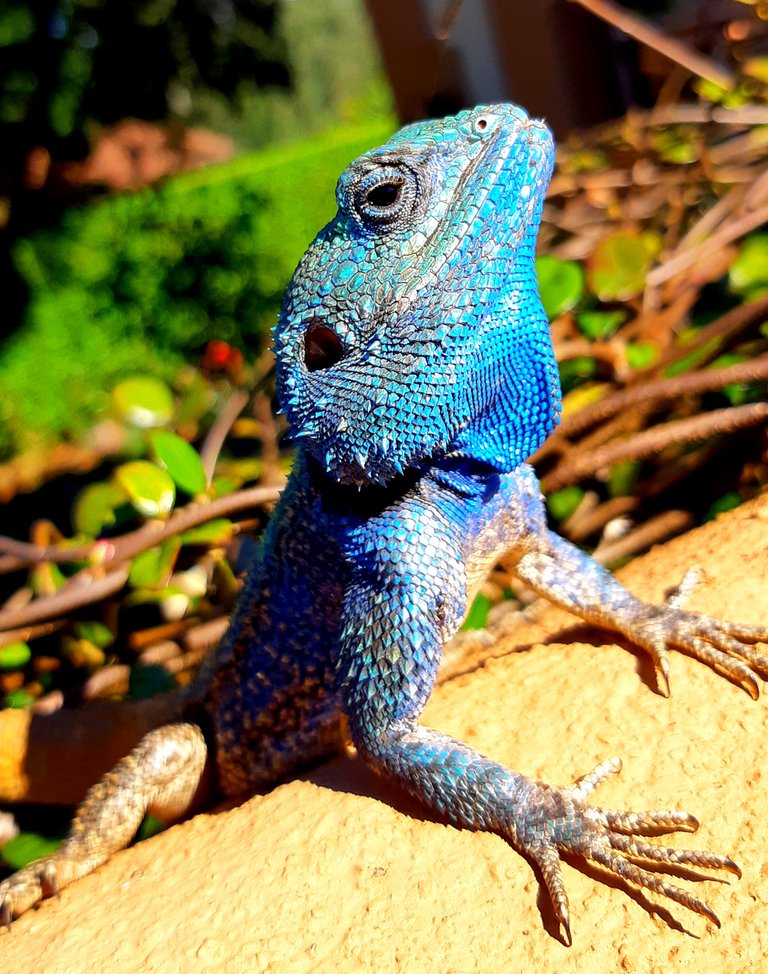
{"x": 21, "y": 554}
{"x": 653, "y": 440}
{"x": 656, "y": 529}
{"x": 650, "y": 35}
{"x": 217, "y": 434}
{"x": 81, "y": 590}
{"x": 704, "y": 380}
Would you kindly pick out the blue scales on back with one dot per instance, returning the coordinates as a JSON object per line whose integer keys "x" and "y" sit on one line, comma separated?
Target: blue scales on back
{"x": 415, "y": 367}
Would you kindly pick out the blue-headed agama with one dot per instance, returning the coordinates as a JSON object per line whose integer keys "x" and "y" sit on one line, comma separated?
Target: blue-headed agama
{"x": 415, "y": 366}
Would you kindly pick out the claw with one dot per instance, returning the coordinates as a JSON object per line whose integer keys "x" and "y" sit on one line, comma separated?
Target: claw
{"x": 5, "y": 914}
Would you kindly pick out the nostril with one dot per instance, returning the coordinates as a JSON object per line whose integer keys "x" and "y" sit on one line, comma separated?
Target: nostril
{"x": 322, "y": 347}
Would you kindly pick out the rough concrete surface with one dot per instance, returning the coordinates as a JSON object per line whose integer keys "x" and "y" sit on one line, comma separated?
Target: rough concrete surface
{"x": 337, "y": 872}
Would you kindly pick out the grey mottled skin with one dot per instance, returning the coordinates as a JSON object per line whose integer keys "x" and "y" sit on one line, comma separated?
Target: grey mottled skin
{"x": 416, "y": 369}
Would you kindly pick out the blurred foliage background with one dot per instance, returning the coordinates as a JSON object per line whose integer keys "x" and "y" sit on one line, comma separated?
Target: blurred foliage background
{"x": 97, "y": 283}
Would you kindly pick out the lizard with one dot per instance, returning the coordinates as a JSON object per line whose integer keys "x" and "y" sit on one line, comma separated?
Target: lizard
{"x": 415, "y": 367}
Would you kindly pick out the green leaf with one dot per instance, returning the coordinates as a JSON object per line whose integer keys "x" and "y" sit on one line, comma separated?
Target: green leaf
{"x": 641, "y": 355}
{"x": 149, "y": 826}
{"x": 150, "y": 489}
{"x": 143, "y": 401}
{"x": 96, "y": 507}
{"x": 150, "y": 679}
{"x": 618, "y": 266}
{"x": 152, "y": 568}
{"x": 622, "y": 477}
{"x": 213, "y": 532}
{"x": 18, "y": 699}
{"x": 727, "y": 502}
{"x": 94, "y": 632}
{"x": 574, "y": 371}
{"x": 181, "y": 460}
{"x": 562, "y": 503}
{"x": 27, "y": 847}
{"x": 596, "y": 325}
{"x": 14, "y": 655}
{"x": 477, "y": 617}
{"x": 749, "y": 268}
{"x": 561, "y": 284}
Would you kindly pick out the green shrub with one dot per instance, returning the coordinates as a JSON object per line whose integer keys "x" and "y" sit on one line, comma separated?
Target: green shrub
{"x": 141, "y": 282}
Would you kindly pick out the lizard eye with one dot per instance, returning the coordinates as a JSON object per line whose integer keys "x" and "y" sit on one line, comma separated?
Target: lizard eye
{"x": 481, "y": 124}
{"x": 322, "y": 347}
{"x": 384, "y": 195}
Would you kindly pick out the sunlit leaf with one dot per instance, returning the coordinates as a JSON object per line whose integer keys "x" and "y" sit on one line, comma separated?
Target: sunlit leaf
{"x": 150, "y": 489}
{"x": 749, "y": 269}
{"x": 27, "y": 847}
{"x": 18, "y": 700}
{"x": 622, "y": 477}
{"x": 95, "y": 632}
{"x": 153, "y": 568}
{"x": 641, "y": 355}
{"x": 14, "y": 655}
{"x": 618, "y": 266}
{"x": 477, "y": 617}
{"x": 213, "y": 532}
{"x": 573, "y": 371}
{"x": 600, "y": 324}
{"x": 181, "y": 460}
{"x": 143, "y": 401}
{"x": 583, "y": 396}
{"x": 562, "y": 503}
{"x": 96, "y": 506}
{"x": 561, "y": 284}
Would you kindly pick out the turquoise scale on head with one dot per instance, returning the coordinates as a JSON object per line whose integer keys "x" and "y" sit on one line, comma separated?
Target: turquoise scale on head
{"x": 410, "y": 287}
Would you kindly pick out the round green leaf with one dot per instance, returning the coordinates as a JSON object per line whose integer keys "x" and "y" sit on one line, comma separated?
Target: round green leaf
{"x": 561, "y": 284}
{"x": 213, "y": 532}
{"x": 597, "y": 325}
{"x": 641, "y": 355}
{"x": 18, "y": 700}
{"x": 150, "y": 489}
{"x": 143, "y": 401}
{"x": 27, "y": 847}
{"x": 95, "y": 632}
{"x": 152, "y": 568}
{"x": 477, "y": 617}
{"x": 562, "y": 503}
{"x": 14, "y": 655}
{"x": 95, "y": 507}
{"x": 749, "y": 269}
{"x": 619, "y": 264}
{"x": 181, "y": 460}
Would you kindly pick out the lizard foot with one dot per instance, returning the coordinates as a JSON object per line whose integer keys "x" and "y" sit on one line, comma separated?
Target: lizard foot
{"x": 725, "y": 646}
{"x": 27, "y": 887}
{"x": 558, "y": 821}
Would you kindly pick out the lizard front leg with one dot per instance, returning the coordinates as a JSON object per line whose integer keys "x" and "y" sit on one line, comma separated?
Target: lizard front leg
{"x": 567, "y": 576}
{"x": 162, "y": 776}
{"x": 389, "y": 656}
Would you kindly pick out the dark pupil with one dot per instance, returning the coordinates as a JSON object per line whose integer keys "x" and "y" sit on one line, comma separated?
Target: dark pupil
{"x": 322, "y": 347}
{"x": 383, "y": 195}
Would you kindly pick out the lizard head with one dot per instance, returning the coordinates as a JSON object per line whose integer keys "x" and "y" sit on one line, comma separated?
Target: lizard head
{"x": 412, "y": 327}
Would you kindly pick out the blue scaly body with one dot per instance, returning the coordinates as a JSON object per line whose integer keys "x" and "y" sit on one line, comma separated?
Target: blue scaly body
{"x": 416, "y": 369}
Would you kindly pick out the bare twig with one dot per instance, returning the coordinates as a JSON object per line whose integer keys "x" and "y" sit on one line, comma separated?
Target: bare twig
{"x": 647, "y": 33}
{"x": 655, "y": 439}
{"x": 654, "y": 530}
{"x": 704, "y": 380}
{"x": 114, "y": 551}
{"x": 217, "y": 434}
